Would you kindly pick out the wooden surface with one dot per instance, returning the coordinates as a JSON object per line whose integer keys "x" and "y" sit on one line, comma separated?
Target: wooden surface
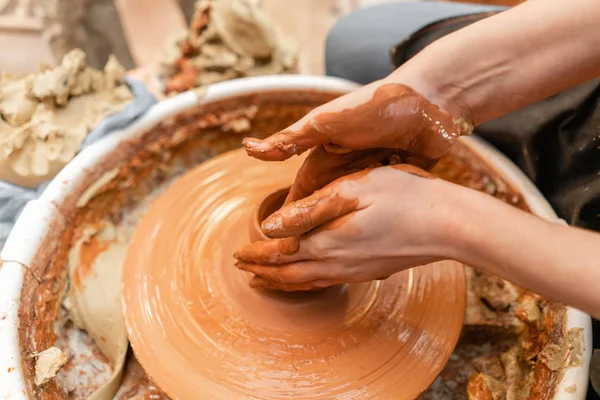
{"x": 492, "y": 2}
{"x": 308, "y": 21}
{"x": 136, "y": 31}
{"x": 91, "y": 25}
{"x": 148, "y": 28}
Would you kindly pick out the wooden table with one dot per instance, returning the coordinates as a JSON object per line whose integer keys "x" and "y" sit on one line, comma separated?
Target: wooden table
{"x": 136, "y": 31}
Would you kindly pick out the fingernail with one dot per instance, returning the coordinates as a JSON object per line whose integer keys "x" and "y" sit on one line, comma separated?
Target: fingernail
{"x": 272, "y": 224}
{"x": 240, "y": 265}
{"x": 257, "y": 283}
{"x": 251, "y": 142}
{"x": 254, "y": 284}
{"x": 236, "y": 255}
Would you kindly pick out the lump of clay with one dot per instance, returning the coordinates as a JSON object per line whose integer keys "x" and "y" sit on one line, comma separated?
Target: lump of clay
{"x": 44, "y": 117}
{"x": 47, "y": 365}
{"x": 227, "y": 39}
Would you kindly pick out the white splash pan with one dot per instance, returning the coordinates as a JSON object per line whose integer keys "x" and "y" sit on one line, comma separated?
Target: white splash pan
{"x": 34, "y": 222}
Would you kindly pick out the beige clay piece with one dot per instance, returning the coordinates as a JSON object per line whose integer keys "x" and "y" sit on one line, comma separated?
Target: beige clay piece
{"x": 44, "y": 117}
{"x": 227, "y": 39}
{"x": 48, "y": 363}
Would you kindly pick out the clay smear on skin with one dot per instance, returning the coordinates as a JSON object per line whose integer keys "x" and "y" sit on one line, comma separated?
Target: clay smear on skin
{"x": 294, "y": 217}
{"x": 298, "y": 221}
{"x": 364, "y": 136}
{"x": 428, "y": 131}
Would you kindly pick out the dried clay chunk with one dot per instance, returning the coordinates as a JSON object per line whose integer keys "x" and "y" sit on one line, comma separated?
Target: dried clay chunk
{"x": 47, "y": 365}
{"x": 227, "y": 39}
{"x": 46, "y": 116}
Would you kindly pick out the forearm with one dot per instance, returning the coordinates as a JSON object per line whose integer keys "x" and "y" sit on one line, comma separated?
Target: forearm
{"x": 510, "y": 60}
{"x": 559, "y": 262}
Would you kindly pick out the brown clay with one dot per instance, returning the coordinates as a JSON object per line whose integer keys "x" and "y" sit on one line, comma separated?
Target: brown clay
{"x": 201, "y": 331}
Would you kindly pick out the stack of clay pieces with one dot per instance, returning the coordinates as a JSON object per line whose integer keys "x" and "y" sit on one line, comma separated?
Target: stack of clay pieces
{"x": 227, "y": 39}
{"x": 44, "y": 117}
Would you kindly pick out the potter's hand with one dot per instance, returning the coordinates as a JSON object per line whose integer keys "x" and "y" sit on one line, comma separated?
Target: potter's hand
{"x": 365, "y": 226}
{"x": 379, "y": 124}
{"x": 374, "y": 223}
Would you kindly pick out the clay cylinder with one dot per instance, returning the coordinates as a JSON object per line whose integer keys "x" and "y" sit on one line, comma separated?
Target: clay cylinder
{"x": 268, "y": 206}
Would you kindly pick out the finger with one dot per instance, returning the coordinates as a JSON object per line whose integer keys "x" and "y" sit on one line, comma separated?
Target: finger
{"x": 289, "y": 142}
{"x": 258, "y": 282}
{"x": 322, "y": 167}
{"x": 319, "y": 169}
{"x": 274, "y": 251}
{"x": 297, "y": 272}
{"x": 318, "y": 127}
{"x": 300, "y": 217}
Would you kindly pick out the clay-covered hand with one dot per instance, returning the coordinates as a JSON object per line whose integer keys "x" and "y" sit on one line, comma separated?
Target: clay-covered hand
{"x": 379, "y": 124}
{"x": 362, "y": 227}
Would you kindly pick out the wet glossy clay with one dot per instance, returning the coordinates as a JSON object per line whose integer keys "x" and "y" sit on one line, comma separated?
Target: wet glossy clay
{"x": 265, "y": 208}
{"x": 201, "y": 332}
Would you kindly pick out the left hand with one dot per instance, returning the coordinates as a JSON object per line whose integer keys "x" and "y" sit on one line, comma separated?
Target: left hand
{"x": 365, "y": 226}
{"x": 382, "y": 123}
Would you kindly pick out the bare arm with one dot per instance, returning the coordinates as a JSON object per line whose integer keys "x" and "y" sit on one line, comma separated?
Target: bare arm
{"x": 551, "y": 259}
{"x": 481, "y": 72}
{"x": 510, "y": 60}
{"x": 357, "y": 230}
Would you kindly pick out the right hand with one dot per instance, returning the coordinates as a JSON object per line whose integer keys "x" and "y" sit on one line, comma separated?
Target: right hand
{"x": 379, "y": 124}
{"x": 362, "y": 227}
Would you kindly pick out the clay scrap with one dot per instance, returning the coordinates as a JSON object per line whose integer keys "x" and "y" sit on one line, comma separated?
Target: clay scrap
{"x": 226, "y": 39}
{"x": 48, "y": 363}
{"x": 44, "y": 117}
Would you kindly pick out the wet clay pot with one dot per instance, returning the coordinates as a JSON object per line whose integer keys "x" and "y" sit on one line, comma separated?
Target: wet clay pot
{"x": 95, "y": 203}
{"x": 268, "y": 206}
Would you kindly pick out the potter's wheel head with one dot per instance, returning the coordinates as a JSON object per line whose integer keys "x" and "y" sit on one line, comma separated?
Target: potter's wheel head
{"x": 200, "y": 331}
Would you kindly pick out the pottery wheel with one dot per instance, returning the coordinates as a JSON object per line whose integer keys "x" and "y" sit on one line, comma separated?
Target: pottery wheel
{"x": 201, "y": 332}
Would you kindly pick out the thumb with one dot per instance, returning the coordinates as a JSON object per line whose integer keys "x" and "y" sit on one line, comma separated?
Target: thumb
{"x": 299, "y": 217}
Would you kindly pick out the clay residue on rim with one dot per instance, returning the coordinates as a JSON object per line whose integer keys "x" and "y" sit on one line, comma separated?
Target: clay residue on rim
{"x": 491, "y": 332}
